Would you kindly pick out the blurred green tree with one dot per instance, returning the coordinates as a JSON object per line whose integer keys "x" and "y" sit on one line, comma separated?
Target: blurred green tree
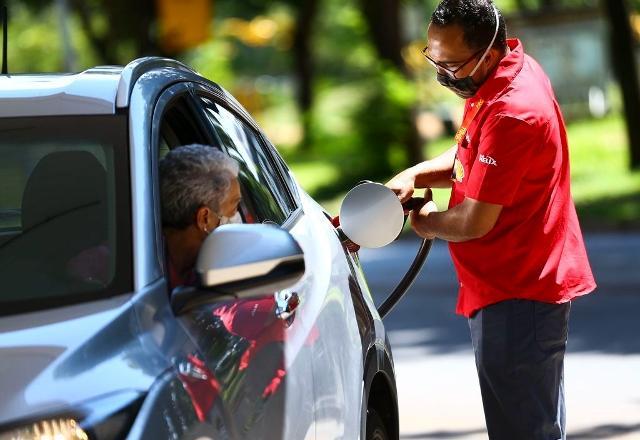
{"x": 118, "y": 30}
{"x": 623, "y": 50}
{"x": 303, "y": 59}
{"x": 384, "y": 22}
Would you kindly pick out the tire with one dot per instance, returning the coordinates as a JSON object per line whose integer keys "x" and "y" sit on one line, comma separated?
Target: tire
{"x": 376, "y": 430}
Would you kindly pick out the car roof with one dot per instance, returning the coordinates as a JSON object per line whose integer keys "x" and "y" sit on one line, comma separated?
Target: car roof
{"x": 100, "y": 90}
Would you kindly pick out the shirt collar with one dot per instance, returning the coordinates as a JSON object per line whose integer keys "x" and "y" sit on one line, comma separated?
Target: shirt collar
{"x": 508, "y": 68}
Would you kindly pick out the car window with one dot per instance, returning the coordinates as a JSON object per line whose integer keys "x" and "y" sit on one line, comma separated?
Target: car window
{"x": 64, "y": 210}
{"x": 263, "y": 194}
{"x": 180, "y": 125}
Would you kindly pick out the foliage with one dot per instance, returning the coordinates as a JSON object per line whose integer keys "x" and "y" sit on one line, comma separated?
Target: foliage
{"x": 364, "y": 107}
{"x": 606, "y": 192}
{"x": 348, "y": 55}
{"x": 118, "y": 30}
{"x": 35, "y": 44}
{"x": 382, "y": 123}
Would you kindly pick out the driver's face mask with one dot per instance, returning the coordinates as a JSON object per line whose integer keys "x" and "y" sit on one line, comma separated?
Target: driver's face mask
{"x": 466, "y": 87}
{"x": 235, "y": 218}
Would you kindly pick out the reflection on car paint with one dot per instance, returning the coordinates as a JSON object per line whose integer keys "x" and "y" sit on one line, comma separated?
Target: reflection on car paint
{"x": 200, "y": 383}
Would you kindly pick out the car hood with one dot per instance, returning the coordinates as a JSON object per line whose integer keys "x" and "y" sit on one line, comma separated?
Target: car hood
{"x": 56, "y": 359}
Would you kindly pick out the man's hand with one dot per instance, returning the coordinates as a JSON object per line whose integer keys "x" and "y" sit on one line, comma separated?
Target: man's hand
{"x": 419, "y": 216}
{"x": 416, "y": 203}
{"x": 403, "y": 185}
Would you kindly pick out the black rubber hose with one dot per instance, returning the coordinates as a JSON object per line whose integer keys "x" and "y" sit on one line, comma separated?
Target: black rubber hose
{"x": 407, "y": 280}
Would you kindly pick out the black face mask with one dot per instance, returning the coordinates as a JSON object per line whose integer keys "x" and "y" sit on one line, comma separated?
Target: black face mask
{"x": 466, "y": 87}
{"x": 463, "y": 87}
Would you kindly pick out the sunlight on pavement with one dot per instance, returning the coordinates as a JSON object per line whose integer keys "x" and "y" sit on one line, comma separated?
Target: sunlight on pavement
{"x": 439, "y": 396}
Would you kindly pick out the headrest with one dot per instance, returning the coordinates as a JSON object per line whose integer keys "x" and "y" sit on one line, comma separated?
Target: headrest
{"x": 60, "y": 183}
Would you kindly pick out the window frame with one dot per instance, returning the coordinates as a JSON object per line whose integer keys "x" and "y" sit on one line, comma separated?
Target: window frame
{"x": 168, "y": 97}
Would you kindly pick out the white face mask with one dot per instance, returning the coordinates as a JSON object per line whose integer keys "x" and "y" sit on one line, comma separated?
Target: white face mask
{"x": 235, "y": 218}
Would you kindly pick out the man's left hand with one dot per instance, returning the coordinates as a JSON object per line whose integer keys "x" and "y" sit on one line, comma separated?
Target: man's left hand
{"x": 419, "y": 219}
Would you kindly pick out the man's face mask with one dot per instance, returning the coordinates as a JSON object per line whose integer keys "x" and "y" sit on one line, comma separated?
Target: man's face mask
{"x": 463, "y": 87}
{"x": 466, "y": 87}
{"x": 235, "y": 218}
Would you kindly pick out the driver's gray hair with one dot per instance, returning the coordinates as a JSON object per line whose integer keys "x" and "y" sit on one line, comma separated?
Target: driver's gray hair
{"x": 193, "y": 176}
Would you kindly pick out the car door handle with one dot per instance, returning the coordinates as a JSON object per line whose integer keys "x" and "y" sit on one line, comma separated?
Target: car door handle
{"x": 286, "y": 304}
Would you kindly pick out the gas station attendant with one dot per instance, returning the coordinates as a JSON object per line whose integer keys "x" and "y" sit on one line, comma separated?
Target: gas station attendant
{"x": 511, "y": 223}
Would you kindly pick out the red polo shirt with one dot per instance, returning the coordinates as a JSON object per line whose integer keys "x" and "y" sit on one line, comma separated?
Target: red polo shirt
{"x": 515, "y": 154}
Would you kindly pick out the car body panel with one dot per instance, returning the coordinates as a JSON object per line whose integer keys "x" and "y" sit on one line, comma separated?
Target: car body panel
{"x": 337, "y": 390}
{"x": 53, "y": 365}
{"x": 90, "y": 92}
{"x": 132, "y": 72}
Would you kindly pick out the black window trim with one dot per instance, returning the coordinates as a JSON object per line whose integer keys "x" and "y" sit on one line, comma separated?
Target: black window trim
{"x": 166, "y": 98}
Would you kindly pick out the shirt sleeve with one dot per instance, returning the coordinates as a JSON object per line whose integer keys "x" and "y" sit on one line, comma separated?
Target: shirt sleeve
{"x": 507, "y": 146}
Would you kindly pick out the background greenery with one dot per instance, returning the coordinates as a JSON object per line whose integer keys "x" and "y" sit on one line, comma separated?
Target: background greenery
{"x": 325, "y": 81}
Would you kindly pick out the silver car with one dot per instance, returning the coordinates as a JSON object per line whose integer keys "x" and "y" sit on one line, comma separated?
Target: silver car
{"x": 92, "y": 342}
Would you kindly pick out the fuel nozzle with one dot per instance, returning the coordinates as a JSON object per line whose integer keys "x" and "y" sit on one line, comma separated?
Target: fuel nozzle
{"x": 413, "y": 203}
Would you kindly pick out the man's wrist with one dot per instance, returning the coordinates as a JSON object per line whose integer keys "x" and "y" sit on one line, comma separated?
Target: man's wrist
{"x": 410, "y": 173}
{"x": 430, "y": 208}
{"x": 423, "y": 220}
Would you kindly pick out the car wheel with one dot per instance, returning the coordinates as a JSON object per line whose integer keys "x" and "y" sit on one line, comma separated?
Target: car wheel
{"x": 375, "y": 426}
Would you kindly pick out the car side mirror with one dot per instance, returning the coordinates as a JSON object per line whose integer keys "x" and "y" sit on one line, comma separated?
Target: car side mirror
{"x": 242, "y": 261}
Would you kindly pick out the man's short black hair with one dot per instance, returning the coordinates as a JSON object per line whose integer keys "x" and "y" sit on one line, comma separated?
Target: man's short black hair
{"x": 476, "y": 18}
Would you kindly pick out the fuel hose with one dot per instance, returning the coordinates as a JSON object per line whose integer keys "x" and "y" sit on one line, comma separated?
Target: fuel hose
{"x": 407, "y": 280}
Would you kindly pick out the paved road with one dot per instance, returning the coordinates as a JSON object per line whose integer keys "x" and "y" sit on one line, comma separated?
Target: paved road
{"x": 438, "y": 390}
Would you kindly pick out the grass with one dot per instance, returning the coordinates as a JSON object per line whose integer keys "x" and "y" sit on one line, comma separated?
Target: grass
{"x": 606, "y": 193}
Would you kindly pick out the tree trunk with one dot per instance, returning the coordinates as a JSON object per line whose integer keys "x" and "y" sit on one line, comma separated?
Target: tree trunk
{"x": 383, "y": 18}
{"x": 146, "y": 43}
{"x": 304, "y": 66}
{"x": 625, "y": 68}
{"x": 129, "y": 21}
{"x": 549, "y": 4}
{"x": 100, "y": 45}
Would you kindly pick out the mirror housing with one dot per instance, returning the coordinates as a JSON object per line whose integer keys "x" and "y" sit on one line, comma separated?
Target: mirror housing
{"x": 243, "y": 261}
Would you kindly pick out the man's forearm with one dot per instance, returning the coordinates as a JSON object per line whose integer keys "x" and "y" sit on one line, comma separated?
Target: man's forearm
{"x": 436, "y": 172}
{"x": 448, "y": 225}
{"x": 467, "y": 221}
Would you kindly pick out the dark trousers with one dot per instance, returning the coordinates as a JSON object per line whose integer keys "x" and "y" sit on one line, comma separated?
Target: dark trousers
{"x": 519, "y": 347}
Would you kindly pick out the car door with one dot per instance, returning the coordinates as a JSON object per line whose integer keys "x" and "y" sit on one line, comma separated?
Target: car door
{"x": 262, "y": 386}
{"x": 326, "y": 311}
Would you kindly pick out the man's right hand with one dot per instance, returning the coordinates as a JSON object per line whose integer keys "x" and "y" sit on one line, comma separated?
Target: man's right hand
{"x": 403, "y": 185}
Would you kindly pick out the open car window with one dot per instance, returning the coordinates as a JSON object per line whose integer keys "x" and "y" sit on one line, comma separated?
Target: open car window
{"x": 262, "y": 193}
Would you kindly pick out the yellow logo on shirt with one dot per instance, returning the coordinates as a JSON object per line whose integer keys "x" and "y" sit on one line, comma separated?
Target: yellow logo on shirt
{"x": 458, "y": 171}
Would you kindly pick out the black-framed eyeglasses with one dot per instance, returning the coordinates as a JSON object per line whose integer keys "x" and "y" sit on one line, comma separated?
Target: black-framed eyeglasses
{"x": 440, "y": 66}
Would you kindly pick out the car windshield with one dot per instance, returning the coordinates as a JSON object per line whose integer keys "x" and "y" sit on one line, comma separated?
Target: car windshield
{"x": 64, "y": 211}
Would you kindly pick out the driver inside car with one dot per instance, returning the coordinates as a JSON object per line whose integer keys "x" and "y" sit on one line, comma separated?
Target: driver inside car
{"x": 199, "y": 191}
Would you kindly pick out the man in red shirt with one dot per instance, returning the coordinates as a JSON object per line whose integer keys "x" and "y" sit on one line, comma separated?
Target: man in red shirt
{"x": 512, "y": 226}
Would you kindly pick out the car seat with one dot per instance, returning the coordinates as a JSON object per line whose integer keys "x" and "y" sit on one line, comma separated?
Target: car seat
{"x": 64, "y": 211}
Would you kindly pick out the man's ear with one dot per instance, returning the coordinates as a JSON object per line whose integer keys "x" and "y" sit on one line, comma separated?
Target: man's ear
{"x": 492, "y": 56}
{"x": 203, "y": 218}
